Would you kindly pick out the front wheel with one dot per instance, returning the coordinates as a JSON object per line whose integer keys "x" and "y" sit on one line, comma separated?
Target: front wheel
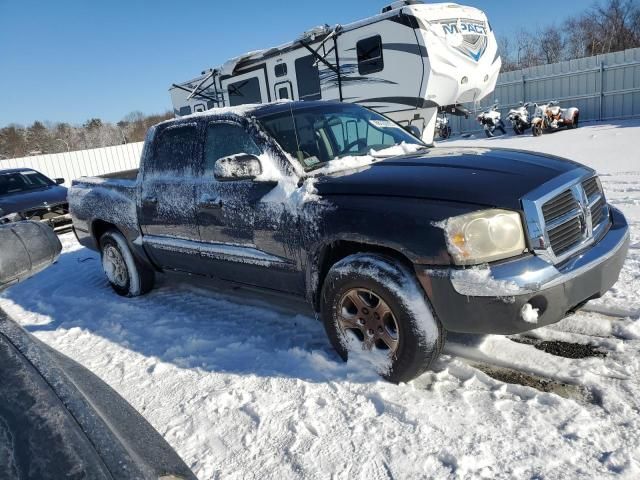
{"x": 536, "y": 130}
{"x": 127, "y": 276}
{"x": 373, "y": 308}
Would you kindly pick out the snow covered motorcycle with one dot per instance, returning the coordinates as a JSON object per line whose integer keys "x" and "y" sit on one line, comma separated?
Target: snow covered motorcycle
{"x": 443, "y": 129}
{"x": 519, "y": 118}
{"x": 552, "y": 117}
{"x": 491, "y": 120}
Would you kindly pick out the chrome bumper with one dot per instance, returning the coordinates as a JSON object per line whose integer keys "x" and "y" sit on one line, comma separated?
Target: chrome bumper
{"x": 533, "y": 274}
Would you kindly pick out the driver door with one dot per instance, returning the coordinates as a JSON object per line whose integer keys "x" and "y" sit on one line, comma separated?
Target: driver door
{"x": 244, "y": 239}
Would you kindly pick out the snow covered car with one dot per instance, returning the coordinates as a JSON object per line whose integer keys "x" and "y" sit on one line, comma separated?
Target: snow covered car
{"x": 57, "y": 419}
{"x": 393, "y": 242}
{"x": 26, "y": 194}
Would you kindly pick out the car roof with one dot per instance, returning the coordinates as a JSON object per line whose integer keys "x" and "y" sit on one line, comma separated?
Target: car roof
{"x": 17, "y": 170}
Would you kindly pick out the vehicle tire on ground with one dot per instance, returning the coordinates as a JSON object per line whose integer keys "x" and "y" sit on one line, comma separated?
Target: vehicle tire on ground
{"x": 576, "y": 120}
{"x": 536, "y": 130}
{"x": 373, "y": 305}
{"x": 127, "y": 276}
{"x": 518, "y": 129}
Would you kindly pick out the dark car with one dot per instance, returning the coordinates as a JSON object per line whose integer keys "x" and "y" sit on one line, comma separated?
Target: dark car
{"x": 391, "y": 241}
{"x": 26, "y": 194}
{"x": 57, "y": 419}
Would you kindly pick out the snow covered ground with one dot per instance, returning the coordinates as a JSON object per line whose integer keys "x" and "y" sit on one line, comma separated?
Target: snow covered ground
{"x": 243, "y": 389}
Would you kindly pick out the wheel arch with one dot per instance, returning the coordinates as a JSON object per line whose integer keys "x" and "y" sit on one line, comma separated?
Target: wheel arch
{"x": 324, "y": 256}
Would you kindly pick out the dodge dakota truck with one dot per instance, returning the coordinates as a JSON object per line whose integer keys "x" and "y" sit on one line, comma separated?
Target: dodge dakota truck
{"x": 392, "y": 242}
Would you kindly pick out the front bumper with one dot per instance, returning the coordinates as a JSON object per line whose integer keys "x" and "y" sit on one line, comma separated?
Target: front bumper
{"x": 491, "y": 299}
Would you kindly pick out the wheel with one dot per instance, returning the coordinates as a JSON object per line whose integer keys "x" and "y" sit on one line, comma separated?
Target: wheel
{"x": 447, "y": 132}
{"x": 373, "y": 307}
{"x": 576, "y": 120}
{"x": 518, "y": 128}
{"x": 127, "y": 276}
{"x": 536, "y": 130}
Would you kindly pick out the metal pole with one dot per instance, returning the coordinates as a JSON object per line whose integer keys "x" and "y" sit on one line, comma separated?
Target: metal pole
{"x": 601, "y": 90}
{"x": 524, "y": 91}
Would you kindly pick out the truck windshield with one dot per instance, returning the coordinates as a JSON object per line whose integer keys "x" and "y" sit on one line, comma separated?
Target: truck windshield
{"x": 15, "y": 182}
{"x": 317, "y": 135}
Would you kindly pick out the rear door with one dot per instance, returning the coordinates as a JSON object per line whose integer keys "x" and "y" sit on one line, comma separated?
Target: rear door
{"x": 167, "y": 197}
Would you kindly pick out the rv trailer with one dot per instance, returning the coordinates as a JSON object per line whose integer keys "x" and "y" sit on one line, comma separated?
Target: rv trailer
{"x": 405, "y": 63}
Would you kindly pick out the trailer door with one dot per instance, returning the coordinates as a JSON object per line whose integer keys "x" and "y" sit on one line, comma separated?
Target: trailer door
{"x": 245, "y": 88}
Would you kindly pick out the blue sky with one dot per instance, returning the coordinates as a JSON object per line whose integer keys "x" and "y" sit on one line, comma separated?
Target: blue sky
{"x": 70, "y": 60}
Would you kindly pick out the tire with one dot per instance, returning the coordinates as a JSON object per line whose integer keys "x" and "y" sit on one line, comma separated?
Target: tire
{"x": 416, "y": 335}
{"x": 127, "y": 275}
{"x": 576, "y": 121}
{"x": 518, "y": 129}
{"x": 536, "y": 130}
{"x": 446, "y": 133}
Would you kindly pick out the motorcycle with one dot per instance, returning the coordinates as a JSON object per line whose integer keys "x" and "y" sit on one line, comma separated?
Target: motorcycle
{"x": 552, "y": 117}
{"x": 519, "y": 118}
{"x": 491, "y": 120}
{"x": 443, "y": 129}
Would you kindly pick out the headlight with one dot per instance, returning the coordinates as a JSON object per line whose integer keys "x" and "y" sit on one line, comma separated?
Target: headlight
{"x": 484, "y": 236}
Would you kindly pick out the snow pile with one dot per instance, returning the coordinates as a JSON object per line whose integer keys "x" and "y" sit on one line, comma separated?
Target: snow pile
{"x": 529, "y": 314}
{"x": 478, "y": 281}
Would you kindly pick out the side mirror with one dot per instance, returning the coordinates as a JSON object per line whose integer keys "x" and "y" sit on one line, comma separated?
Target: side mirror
{"x": 59, "y": 181}
{"x": 413, "y": 130}
{"x": 237, "y": 167}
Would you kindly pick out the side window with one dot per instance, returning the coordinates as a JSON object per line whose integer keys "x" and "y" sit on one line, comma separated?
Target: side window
{"x": 283, "y": 93}
{"x": 185, "y": 111}
{"x": 308, "y": 78}
{"x": 174, "y": 150}
{"x": 225, "y": 139}
{"x": 370, "y": 55}
{"x": 244, "y": 91}
{"x": 280, "y": 70}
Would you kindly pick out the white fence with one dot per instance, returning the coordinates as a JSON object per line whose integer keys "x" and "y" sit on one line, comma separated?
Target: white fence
{"x": 82, "y": 163}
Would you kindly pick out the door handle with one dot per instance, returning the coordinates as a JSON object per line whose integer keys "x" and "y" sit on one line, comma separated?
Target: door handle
{"x": 211, "y": 202}
{"x": 150, "y": 200}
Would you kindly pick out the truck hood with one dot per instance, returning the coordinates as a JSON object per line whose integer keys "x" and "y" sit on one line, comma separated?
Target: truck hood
{"x": 21, "y": 201}
{"x": 480, "y": 176}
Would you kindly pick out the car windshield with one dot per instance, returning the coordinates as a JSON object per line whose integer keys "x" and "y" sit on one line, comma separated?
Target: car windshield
{"x": 15, "y": 182}
{"x": 316, "y": 135}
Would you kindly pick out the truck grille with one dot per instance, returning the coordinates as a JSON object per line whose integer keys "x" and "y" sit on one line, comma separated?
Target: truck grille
{"x": 574, "y": 217}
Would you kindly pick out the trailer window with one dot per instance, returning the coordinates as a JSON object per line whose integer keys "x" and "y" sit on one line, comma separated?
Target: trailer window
{"x": 174, "y": 150}
{"x": 308, "y": 78}
{"x": 370, "y": 55}
{"x": 281, "y": 70}
{"x": 244, "y": 91}
{"x": 225, "y": 139}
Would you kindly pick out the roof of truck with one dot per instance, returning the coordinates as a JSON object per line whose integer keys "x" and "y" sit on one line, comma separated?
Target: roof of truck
{"x": 258, "y": 109}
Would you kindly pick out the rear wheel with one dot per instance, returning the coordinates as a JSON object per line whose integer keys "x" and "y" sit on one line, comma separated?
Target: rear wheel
{"x": 374, "y": 308}
{"x": 127, "y": 276}
{"x": 576, "y": 120}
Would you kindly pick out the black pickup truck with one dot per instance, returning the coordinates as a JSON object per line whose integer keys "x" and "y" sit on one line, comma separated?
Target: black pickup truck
{"x": 393, "y": 242}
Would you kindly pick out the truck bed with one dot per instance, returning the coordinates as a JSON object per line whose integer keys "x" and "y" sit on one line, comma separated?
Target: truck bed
{"x": 109, "y": 199}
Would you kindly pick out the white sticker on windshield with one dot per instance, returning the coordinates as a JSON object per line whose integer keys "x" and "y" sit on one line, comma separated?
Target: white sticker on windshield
{"x": 382, "y": 123}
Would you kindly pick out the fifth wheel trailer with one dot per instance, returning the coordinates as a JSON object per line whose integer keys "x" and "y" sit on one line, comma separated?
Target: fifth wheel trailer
{"x": 406, "y": 62}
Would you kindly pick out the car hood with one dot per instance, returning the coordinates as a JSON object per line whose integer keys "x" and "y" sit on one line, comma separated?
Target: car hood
{"x": 480, "y": 176}
{"x": 21, "y": 201}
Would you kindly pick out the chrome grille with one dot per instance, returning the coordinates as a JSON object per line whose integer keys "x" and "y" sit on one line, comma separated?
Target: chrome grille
{"x": 566, "y": 216}
{"x": 565, "y": 236}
